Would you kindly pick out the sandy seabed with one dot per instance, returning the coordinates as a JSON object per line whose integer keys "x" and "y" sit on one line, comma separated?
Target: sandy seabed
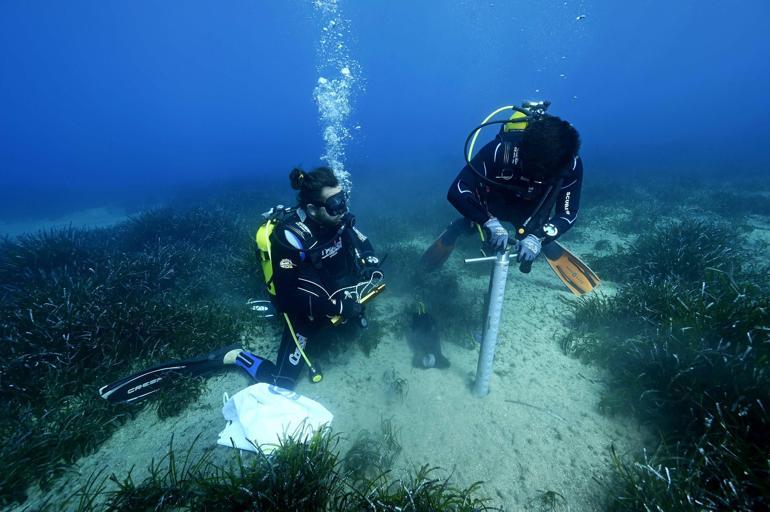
{"x": 539, "y": 428}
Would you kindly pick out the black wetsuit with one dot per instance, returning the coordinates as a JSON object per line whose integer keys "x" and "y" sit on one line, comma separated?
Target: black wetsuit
{"x": 477, "y": 200}
{"x": 310, "y": 264}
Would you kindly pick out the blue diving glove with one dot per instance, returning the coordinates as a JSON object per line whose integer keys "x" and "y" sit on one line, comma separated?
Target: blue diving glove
{"x": 498, "y": 235}
{"x": 528, "y": 249}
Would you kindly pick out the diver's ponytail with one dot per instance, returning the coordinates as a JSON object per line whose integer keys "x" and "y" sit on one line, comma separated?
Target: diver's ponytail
{"x": 297, "y": 178}
{"x": 310, "y": 183}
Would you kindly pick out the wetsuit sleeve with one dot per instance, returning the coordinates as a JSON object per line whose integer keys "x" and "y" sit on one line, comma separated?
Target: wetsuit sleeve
{"x": 298, "y": 284}
{"x": 463, "y": 194}
{"x": 567, "y": 204}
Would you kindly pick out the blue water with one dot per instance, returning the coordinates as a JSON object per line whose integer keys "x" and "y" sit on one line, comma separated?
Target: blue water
{"x": 103, "y": 102}
{"x": 108, "y": 104}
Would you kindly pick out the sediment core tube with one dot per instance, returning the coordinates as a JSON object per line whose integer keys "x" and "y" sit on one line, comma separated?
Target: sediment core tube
{"x": 497, "y": 283}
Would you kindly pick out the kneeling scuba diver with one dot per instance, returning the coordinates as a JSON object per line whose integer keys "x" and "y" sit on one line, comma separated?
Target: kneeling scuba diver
{"x": 319, "y": 270}
{"x": 531, "y": 176}
{"x": 304, "y": 251}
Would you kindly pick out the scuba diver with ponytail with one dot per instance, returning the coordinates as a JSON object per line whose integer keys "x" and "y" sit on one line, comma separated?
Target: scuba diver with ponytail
{"x": 530, "y": 175}
{"x": 319, "y": 270}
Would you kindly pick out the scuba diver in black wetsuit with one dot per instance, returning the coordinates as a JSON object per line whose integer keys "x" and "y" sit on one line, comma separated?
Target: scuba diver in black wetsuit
{"x": 319, "y": 269}
{"x": 530, "y": 175}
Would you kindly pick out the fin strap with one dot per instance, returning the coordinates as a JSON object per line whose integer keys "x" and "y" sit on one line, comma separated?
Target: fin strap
{"x": 249, "y": 362}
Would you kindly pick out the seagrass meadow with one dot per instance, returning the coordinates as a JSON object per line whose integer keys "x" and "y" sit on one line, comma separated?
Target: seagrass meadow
{"x": 83, "y": 307}
{"x": 677, "y": 337}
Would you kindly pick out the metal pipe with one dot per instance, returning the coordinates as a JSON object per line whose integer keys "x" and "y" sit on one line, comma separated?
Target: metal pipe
{"x": 476, "y": 260}
{"x": 497, "y": 284}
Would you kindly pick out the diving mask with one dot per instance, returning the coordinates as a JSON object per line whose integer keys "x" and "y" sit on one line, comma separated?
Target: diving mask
{"x": 335, "y": 205}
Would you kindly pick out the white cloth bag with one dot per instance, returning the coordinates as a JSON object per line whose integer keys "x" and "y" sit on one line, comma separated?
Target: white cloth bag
{"x": 262, "y": 414}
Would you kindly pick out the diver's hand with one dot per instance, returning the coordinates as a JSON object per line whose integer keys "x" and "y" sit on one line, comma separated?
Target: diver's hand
{"x": 528, "y": 249}
{"x": 351, "y": 309}
{"x": 349, "y": 219}
{"x": 498, "y": 235}
{"x": 370, "y": 273}
{"x": 370, "y": 265}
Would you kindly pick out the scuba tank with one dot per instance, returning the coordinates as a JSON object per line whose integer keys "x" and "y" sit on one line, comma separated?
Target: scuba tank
{"x": 264, "y": 245}
{"x": 517, "y": 122}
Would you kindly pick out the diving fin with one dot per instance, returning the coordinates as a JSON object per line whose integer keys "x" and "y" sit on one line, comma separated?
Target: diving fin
{"x": 435, "y": 256}
{"x": 575, "y": 274}
{"x": 263, "y": 308}
{"x": 248, "y": 361}
{"x": 151, "y": 380}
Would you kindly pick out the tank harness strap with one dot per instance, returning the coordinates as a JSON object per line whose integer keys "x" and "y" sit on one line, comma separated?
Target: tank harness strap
{"x": 544, "y": 207}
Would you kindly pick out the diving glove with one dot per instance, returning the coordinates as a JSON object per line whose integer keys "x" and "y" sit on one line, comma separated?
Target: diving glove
{"x": 351, "y": 309}
{"x": 528, "y": 249}
{"x": 369, "y": 266}
{"x": 498, "y": 235}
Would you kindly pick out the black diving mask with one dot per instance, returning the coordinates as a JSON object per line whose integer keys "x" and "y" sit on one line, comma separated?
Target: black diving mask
{"x": 335, "y": 205}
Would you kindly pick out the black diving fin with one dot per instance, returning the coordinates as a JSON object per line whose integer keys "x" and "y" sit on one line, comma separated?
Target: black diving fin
{"x": 151, "y": 380}
{"x": 575, "y": 274}
{"x": 263, "y": 308}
